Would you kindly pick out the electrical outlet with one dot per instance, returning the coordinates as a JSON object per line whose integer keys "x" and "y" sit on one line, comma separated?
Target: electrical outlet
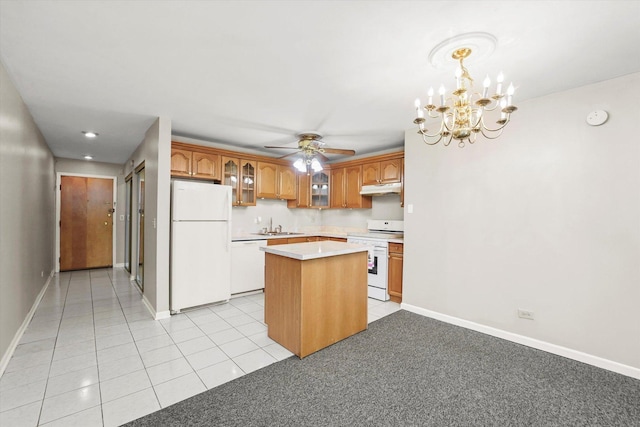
{"x": 526, "y": 314}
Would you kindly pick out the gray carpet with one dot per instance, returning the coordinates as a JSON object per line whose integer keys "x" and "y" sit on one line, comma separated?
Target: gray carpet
{"x": 408, "y": 370}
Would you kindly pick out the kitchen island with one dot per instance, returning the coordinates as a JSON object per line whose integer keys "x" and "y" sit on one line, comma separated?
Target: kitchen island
{"x": 315, "y": 294}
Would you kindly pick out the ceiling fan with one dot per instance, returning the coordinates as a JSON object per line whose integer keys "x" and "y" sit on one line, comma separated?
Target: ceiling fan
{"x": 310, "y": 144}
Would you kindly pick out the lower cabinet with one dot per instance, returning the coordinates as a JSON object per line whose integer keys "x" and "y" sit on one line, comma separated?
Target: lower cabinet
{"x": 247, "y": 266}
{"x": 396, "y": 252}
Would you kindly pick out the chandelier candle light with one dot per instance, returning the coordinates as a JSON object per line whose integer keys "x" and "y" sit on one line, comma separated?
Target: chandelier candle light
{"x": 462, "y": 115}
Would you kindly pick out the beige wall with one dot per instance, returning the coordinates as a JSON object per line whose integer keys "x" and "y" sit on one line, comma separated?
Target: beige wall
{"x": 27, "y": 185}
{"x": 89, "y": 168}
{"x": 155, "y": 152}
{"x": 545, "y": 218}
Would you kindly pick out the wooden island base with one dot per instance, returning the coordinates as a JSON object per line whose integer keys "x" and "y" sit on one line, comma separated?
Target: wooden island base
{"x": 313, "y": 303}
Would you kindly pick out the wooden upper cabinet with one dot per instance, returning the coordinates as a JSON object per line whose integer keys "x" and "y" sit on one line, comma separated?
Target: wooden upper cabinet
{"x": 345, "y": 188}
{"x": 275, "y": 181}
{"x": 313, "y": 191}
{"x": 337, "y": 198}
{"x": 303, "y": 198}
{"x": 194, "y": 164}
{"x": 382, "y": 172}
{"x": 287, "y": 182}
{"x": 181, "y": 162}
{"x": 206, "y": 166}
{"x": 240, "y": 175}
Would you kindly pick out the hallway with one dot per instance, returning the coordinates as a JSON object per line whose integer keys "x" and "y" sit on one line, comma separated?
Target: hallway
{"x": 93, "y": 356}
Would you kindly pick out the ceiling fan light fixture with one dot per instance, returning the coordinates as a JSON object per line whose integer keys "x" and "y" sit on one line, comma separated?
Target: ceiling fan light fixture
{"x": 315, "y": 165}
{"x": 300, "y": 165}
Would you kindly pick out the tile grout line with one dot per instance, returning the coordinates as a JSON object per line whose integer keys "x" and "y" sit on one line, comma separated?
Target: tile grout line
{"x": 64, "y": 304}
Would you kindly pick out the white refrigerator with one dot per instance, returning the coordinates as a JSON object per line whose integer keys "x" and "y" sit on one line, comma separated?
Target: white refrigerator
{"x": 200, "y": 244}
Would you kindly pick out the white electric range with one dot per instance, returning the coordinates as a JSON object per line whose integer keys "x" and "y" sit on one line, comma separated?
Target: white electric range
{"x": 377, "y": 239}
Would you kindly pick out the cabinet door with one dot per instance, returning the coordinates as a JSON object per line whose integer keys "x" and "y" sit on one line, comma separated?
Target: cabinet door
{"x": 297, "y": 240}
{"x": 206, "y": 166}
{"x": 231, "y": 176}
{"x": 395, "y": 276}
{"x": 286, "y": 183}
{"x": 267, "y": 180}
{"x": 247, "y": 189}
{"x": 303, "y": 198}
{"x": 353, "y": 184}
{"x": 337, "y": 188}
{"x": 320, "y": 190}
{"x": 371, "y": 173}
{"x": 180, "y": 162}
{"x": 390, "y": 171}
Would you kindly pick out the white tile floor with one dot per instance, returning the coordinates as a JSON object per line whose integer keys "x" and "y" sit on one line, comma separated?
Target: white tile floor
{"x": 93, "y": 356}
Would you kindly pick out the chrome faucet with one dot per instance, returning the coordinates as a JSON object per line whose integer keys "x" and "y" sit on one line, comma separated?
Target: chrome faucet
{"x": 279, "y": 229}
{"x": 270, "y": 225}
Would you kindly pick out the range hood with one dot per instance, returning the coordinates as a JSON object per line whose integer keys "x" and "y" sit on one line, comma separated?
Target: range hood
{"x": 381, "y": 189}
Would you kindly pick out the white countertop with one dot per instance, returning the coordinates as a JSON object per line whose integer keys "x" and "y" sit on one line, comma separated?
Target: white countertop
{"x": 256, "y": 236}
{"x": 313, "y": 250}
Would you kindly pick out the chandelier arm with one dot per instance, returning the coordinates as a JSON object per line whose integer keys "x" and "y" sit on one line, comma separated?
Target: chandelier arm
{"x": 489, "y": 136}
{"x": 424, "y": 138}
{"x": 499, "y": 128}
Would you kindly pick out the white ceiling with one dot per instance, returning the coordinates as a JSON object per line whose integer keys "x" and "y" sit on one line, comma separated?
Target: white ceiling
{"x": 255, "y": 73}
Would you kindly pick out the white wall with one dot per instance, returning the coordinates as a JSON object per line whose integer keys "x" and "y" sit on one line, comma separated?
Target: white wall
{"x": 84, "y": 167}
{"x": 155, "y": 152}
{"x": 545, "y": 218}
{"x": 27, "y": 214}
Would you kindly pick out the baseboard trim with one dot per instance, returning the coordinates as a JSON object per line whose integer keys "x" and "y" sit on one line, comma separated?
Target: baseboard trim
{"x": 579, "y": 356}
{"x": 156, "y": 315}
{"x": 4, "y": 362}
{"x": 119, "y": 265}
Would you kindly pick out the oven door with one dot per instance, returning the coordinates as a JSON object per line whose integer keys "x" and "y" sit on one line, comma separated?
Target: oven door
{"x": 377, "y": 268}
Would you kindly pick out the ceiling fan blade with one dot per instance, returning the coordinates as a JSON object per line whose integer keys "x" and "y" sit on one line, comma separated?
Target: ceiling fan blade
{"x": 322, "y": 157}
{"x": 339, "y": 151}
{"x": 287, "y": 155}
{"x": 286, "y": 148}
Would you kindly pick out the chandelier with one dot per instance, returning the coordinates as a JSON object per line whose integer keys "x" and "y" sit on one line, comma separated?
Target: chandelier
{"x": 463, "y": 114}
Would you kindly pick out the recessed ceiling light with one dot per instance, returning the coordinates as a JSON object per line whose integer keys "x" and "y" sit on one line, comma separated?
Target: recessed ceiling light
{"x": 89, "y": 134}
{"x": 88, "y": 157}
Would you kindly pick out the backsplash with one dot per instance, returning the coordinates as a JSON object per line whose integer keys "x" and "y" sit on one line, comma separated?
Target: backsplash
{"x": 243, "y": 219}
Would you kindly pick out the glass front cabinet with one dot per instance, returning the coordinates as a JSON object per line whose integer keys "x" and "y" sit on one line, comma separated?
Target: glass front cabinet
{"x": 240, "y": 175}
{"x": 320, "y": 190}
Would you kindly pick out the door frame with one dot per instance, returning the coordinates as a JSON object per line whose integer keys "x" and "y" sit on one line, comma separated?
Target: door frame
{"x": 114, "y": 179}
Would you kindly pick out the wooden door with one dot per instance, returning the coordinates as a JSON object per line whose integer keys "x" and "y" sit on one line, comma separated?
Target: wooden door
{"x": 86, "y": 223}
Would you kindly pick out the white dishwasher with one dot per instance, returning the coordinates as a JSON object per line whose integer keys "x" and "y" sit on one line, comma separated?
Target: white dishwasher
{"x": 247, "y": 266}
